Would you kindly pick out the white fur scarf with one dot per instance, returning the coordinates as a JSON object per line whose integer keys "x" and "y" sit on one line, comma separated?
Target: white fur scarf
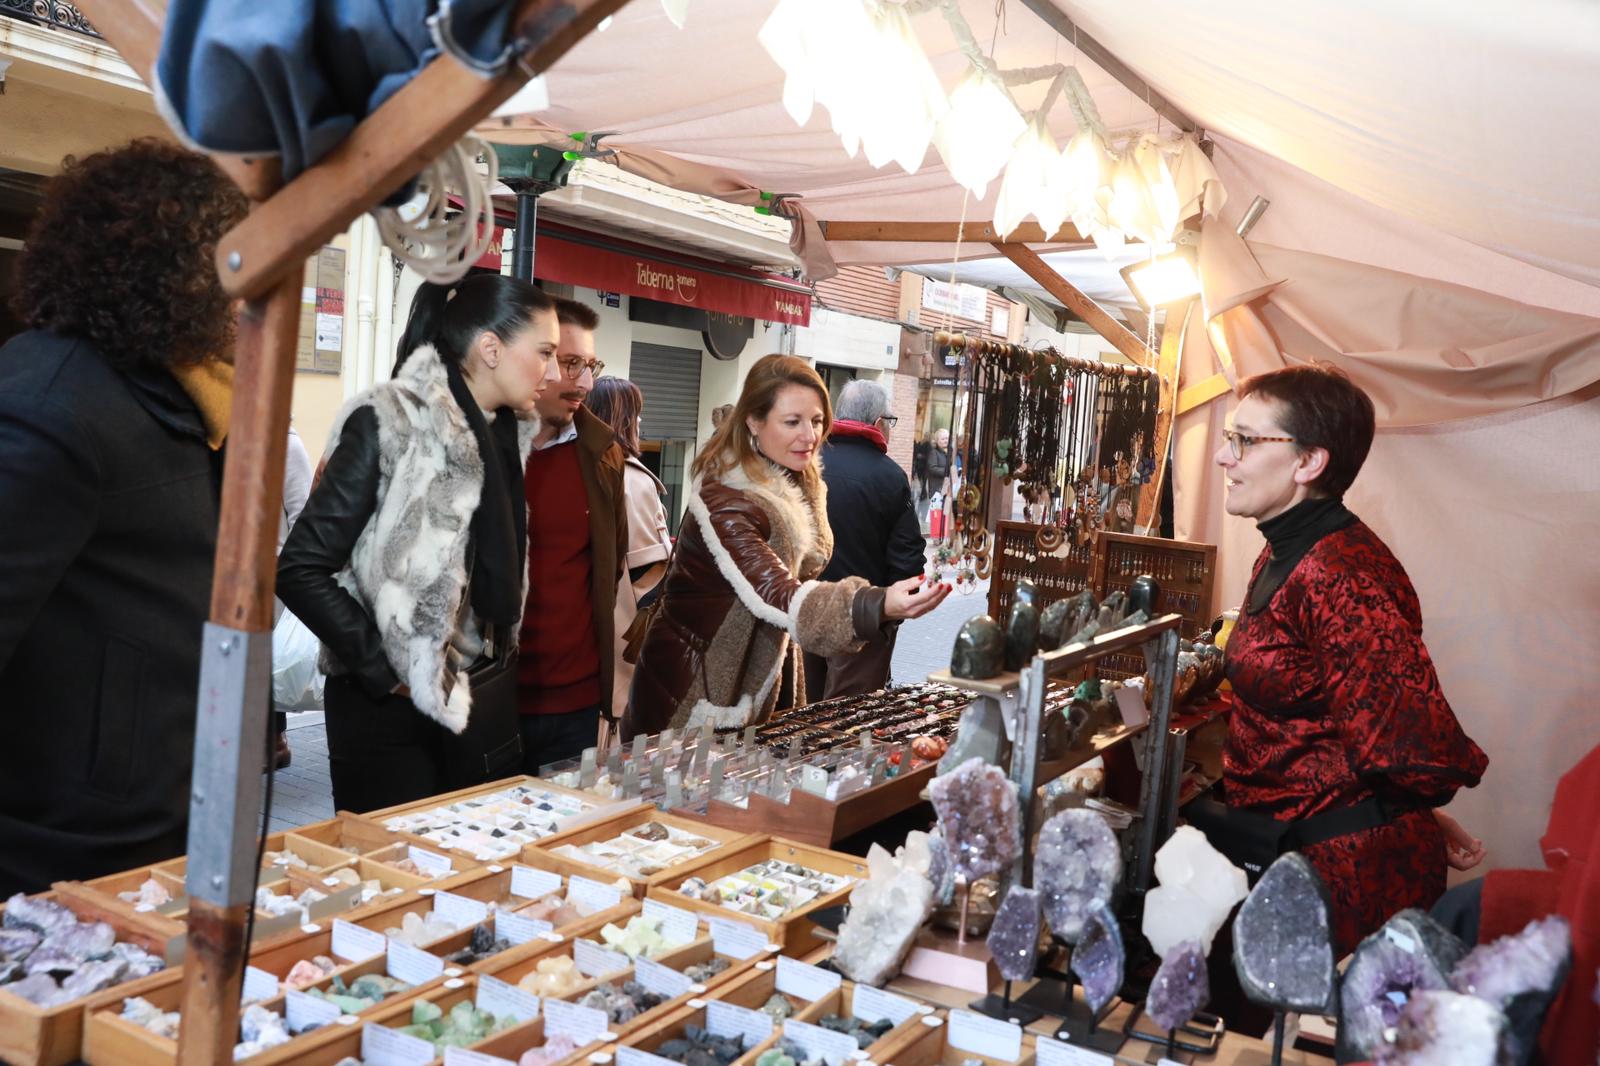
{"x": 409, "y": 564}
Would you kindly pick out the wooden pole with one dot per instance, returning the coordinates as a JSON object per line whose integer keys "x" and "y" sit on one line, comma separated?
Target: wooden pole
{"x": 1167, "y": 375}
{"x": 948, "y": 233}
{"x": 1078, "y": 302}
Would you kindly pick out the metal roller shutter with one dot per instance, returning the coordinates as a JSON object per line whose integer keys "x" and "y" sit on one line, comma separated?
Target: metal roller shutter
{"x": 670, "y": 381}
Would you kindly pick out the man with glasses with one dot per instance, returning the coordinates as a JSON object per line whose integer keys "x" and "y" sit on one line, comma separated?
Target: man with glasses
{"x": 577, "y": 539}
{"x": 876, "y": 534}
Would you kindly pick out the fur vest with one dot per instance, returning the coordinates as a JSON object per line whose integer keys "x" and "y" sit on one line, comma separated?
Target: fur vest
{"x": 408, "y": 567}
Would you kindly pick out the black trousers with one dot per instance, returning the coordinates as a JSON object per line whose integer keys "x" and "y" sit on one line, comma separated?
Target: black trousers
{"x": 381, "y": 752}
{"x": 552, "y": 738}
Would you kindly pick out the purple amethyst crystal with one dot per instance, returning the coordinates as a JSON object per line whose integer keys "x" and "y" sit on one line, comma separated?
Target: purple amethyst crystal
{"x": 1099, "y": 957}
{"x": 977, "y": 809}
{"x": 1014, "y": 934}
{"x": 1078, "y": 862}
{"x": 1411, "y": 953}
{"x": 1180, "y": 987}
{"x": 46, "y": 916}
{"x": 1281, "y": 946}
{"x": 18, "y": 944}
{"x": 1445, "y": 1029}
{"x": 1520, "y": 976}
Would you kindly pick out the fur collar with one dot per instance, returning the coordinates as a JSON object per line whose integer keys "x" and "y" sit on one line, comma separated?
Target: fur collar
{"x": 804, "y": 514}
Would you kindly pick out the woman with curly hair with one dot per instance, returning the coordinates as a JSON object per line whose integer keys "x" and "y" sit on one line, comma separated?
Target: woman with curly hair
{"x": 113, "y": 409}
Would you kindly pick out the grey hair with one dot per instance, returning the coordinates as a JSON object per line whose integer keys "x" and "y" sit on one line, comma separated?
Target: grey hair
{"x": 862, "y": 401}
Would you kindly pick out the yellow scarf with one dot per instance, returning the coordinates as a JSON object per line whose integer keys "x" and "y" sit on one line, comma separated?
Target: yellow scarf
{"x": 210, "y": 385}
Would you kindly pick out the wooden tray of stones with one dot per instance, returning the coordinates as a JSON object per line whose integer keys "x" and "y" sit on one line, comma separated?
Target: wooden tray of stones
{"x": 643, "y": 846}
{"x": 929, "y": 1045}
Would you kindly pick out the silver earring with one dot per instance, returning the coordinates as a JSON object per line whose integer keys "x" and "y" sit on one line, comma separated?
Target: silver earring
{"x": 755, "y": 446}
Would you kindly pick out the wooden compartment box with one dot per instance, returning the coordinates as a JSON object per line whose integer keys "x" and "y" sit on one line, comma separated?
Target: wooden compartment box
{"x": 928, "y": 1044}
{"x": 102, "y": 896}
{"x": 841, "y": 1001}
{"x": 31, "y": 1035}
{"x": 396, "y": 885}
{"x": 792, "y": 930}
{"x": 750, "y": 992}
{"x": 546, "y": 854}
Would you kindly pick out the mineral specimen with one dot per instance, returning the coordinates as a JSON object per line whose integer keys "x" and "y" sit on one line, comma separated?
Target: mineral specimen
{"x": 980, "y": 649}
{"x": 980, "y": 734}
{"x": 1099, "y": 957}
{"x": 43, "y": 915}
{"x": 866, "y": 1033}
{"x": 148, "y": 1016}
{"x": 365, "y": 991}
{"x": 621, "y": 1004}
{"x": 464, "y": 1026}
{"x": 1025, "y": 591}
{"x": 1282, "y": 950}
{"x": 697, "y": 1047}
{"x": 1014, "y": 934}
{"x": 977, "y": 809}
{"x": 641, "y": 938}
{"x": 1142, "y": 595}
{"x": 1078, "y": 862}
{"x": 1520, "y": 976}
{"x": 1411, "y": 953}
{"x": 18, "y": 943}
{"x": 482, "y": 945}
{"x": 553, "y": 909}
{"x": 307, "y": 972}
{"x": 555, "y": 1049}
{"x": 1180, "y": 987}
{"x": 778, "y": 1007}
{"x": 706, "y": 971}
{"x": 1052, "y": 623}
{"x": 259, "y": 1029}
{"x": 1022, "y": 634}
{"x": 1198, "y": 890}
{"x": 941, "y": 871}
{"x": 886, "y": 911}
{"x": 40, "y": 989}
{"x": 1445, "y": 1029}
{"x": 148, "y": 896}
{"x": 417, "y": 930}
{"x": 552, "y": 977}
{"x": 49, "y": 957}
{"x": 94, "y": 977}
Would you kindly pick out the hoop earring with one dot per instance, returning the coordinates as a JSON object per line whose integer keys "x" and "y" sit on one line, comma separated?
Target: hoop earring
{"x": 755, "y": 445}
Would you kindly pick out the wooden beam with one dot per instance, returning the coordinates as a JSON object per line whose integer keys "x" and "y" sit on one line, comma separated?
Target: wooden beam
{"x": 412, "y": 129}
{"x": 1076, "y": 301}
{"x": 1203, "y": 393}
{"x": 947, "y": 233}
{"x": 1167, "y": 374}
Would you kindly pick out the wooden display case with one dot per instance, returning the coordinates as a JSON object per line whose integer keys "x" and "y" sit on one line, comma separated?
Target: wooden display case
{"x": 793, "y": 931}
{"x": 508, "y": 1044}
{"x": 542, "y": 854}
{"x": 1016, "y": 555}
{"x": 930, "y": 1046}
{"x": 1186, "y": 572}
{"x": 811, "y": 819}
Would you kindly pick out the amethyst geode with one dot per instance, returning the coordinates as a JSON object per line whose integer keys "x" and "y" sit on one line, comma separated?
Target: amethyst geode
{"x": 1180, "y": 987}
{"x": 1445, "y": 1029}
{"x": 978, "y": 817}
{"x": 1282, "y": 949}
{"x": 1014, "y": 935}
{"x": 1099, "y": 957}
{"x": 1519, "y": 975}
{"x": 1411, "y": 953}
{"x": 1078, "y": 862}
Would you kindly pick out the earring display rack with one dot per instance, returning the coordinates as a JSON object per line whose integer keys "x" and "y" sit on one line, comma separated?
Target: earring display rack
{"x": 1058, "y": 573}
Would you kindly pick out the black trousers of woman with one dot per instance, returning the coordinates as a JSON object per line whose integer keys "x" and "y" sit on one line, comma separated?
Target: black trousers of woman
{"x": 381, "y": 752}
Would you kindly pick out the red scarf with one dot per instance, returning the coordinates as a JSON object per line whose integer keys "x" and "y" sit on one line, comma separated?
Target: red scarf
{"x": 843, "y": 427}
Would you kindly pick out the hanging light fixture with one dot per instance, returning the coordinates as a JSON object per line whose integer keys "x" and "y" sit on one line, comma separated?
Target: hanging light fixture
{"x": 1165, "y": 279}
{"x": 1028, "y": 187}
{"x": 900, "y": 94}
{"x": 975, "y": 137}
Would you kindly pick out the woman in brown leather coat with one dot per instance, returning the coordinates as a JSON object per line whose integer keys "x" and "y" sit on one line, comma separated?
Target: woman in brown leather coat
{"x": 742, "y": 589}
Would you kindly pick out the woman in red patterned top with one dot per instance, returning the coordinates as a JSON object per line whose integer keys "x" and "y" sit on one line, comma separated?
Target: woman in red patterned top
{"x": 1339, "y": 724}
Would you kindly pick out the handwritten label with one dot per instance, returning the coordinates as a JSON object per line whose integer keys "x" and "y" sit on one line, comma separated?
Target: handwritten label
{"x": 727, "y": 1019}
{"x": 460, "y": 1056}
{"x": 594, "y": 960}
{"x": 517, "y": 929}
{"x": 382, "y": 1046}
{"x": 1055, "y": 1053}
{"x": 506, "y": 1000}
{"x": 304, "y": 1011}
{"x": 463, "y": 912}
{"x": 413, "y": 965}
{"x": 632, "y": 1056}
{"x": 796, "y": 978}
{"x": 662, "y": 980}
{"x": 736, "y": 939}
{"x": 357, "y": 943}
{"x": 258, "y": 985}
{"x": 987, "y": 1036}
{"x": 533, "y": 884}
{"x": 678, "y": 926}
{"x": 1400, "y": 940}
{"x": 429, "y": 863}
{"x": 584, "y": 1024}
{"x": 591, "y": 896}
{"x": 819, "y": 1043}
{"x": 874, "y": 1004}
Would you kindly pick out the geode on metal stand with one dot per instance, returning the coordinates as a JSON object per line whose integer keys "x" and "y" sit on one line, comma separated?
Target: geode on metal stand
{"x": 1520, "y": 975}
{"x": 1078, "y": 862}
{"x": 1282, "y": 944}
{"x": 1411, "y": 953}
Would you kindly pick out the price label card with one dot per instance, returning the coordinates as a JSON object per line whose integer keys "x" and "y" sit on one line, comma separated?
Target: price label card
{"x": 1400, "y": 940}
{"x": 874, "y": 1004}
{"x": 304, "y": 1012}
{"x": 584, "y": 1024}
{"x": 506, "y": 1000}
{"x": 413, "y": 965}
{"x": 595, "y": 961}
{"x": 1055, "y": 1053}
{"x": 383, "y": 1046}
{"x": 533, "y": 884}
{"x": 632, "y": 1056}
{"x": 819, "y": 1043}
{"x": 678, "y": 926}
{"x": 517, "y": 929}
{"x": 591, "y": 896}
{"x": 258, "y": 985}
{"x": 430, "y": 863}
{"x": 357, "y": 943}
{"x": 796, "y": 978}
{"x": 736, "y": 940}
{"x": 726, "y": 1019}
{"x": 970, "y": 1031}
{"x": 662, "y": 980}
{"x": 463, "y": 911}
{"x": 460, "y": 1056}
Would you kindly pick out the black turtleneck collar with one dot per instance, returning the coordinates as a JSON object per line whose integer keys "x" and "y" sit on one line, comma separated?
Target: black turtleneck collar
{"x": 1290, "y": 535}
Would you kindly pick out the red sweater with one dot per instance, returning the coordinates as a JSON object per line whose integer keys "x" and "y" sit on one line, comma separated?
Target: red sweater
{"x": 559, "y": 667}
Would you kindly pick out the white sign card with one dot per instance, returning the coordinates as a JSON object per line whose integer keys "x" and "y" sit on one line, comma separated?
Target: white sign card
{"x": 591, "y": 896}
{"x": 506, "y": 1000}
{"x": 518, "y": 929}
{"x": 258, "y": 985}
{"x": 304, "y": 1012}
{"x": 1055, "y": 1053}
{"x": 662, "y": 980}
{"x": 413, "y": 965}
{"x": 726, "y": 1019}
{"x": 533, "y": 884}
{"x": 430, "y": 863}
{"x": 678, "y": 926}
{"x": 874, "y": 1004}
{"x": 595, "y": 961}
{"x": 796, "y": 978}
{"x": 737, "y": 940}
{"x": 970, "y": 1031}
{"x": 632, "y": 1056}
{"x": 584, "y": 1024}
{"x": 383, "y": 1046}
{"x": 357, "y": 943}
{"x": 463, "y": 912}
{"x": 819, "y": 1043}
{"x": 460, "y": 1056}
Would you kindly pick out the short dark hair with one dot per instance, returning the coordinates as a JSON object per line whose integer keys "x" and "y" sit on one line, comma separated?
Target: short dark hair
{"x": 1320, "y": 407}
{"x": 617, "y": 402}
{"x": 573, "y": 313}
{"x": 120, "y": 255}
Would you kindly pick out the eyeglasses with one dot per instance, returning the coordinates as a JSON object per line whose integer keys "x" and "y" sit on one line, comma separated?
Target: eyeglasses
{"x": 1238, "y": 442}
{"x": 893, "y": 420}
{"x": 573, "y": 367}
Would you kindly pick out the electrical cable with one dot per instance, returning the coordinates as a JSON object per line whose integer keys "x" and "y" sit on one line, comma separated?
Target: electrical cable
{"x": 437, "y": 241}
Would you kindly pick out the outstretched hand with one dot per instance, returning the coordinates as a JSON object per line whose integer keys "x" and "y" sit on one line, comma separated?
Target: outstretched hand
{"x": 913, "y": 598}
{"x": 1462, "y": 850}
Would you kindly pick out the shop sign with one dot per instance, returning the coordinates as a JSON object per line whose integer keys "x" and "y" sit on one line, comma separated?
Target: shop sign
{"x": 963, "y": 301}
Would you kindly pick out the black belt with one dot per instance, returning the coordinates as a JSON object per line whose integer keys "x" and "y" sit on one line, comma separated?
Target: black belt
{"x": 1254, "y": 840}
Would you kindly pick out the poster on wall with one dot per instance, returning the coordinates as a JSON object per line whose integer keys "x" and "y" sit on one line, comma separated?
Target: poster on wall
{"x": 320, "y": 349}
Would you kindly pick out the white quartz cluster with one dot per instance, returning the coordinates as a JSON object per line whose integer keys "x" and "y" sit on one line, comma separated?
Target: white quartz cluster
{"x": 1199, "y": 888}
{"x": 886, "y": 911}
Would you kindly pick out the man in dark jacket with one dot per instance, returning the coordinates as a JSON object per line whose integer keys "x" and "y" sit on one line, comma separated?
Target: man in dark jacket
{"x": 112, "y": 414}
{"x": 875, "y": 530}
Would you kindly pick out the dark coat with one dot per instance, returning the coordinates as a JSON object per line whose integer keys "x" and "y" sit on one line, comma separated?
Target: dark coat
{"x": 876, "y": 534}
{"x": 109, "y": 500}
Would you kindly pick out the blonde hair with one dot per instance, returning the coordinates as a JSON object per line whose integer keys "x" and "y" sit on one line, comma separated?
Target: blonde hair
{"x": 732, "y": 443}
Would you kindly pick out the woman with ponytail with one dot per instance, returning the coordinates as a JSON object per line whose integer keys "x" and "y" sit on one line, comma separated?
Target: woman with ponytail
{"x": 409, "y": 560}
